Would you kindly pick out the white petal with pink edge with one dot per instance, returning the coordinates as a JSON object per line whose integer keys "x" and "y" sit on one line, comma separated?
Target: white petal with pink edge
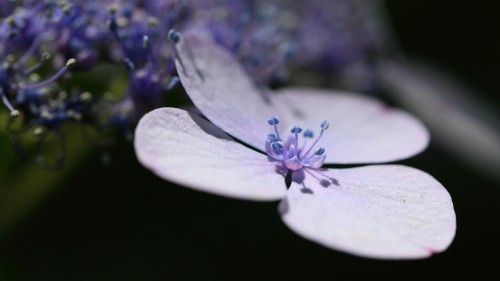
{"x": 386, "y": 212}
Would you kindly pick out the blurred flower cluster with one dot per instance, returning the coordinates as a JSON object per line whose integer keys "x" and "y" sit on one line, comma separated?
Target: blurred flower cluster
{"x": 103, "y": 64}
{"x": 44, "y": 42}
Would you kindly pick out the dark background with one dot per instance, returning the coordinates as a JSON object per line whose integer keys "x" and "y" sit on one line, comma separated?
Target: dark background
{"x": 120, "y": 222}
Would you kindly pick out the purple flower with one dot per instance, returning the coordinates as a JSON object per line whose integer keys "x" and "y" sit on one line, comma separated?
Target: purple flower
{"x": 259, "y": 33}
{"x": 378, "y": 211}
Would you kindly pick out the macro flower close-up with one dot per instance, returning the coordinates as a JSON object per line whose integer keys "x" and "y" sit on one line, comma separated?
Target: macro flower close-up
{"x": 380, "y": 211}
{"x": 249, "y": 140}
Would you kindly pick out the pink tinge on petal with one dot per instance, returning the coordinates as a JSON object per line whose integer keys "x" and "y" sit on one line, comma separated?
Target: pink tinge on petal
{"x": 184, "y": 148}
{"x": 362, "y": 129}
{"x": 385, "y": 212}
{"x": 221, "y": 89}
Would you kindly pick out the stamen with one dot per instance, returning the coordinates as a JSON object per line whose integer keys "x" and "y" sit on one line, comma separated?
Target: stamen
{"x": 86, "y": 96}
{"x": 129, "y": 65}
{"x": 145, "y": 41}
{"x": 174, "y": 80}
{"x": 289, "y": 152}
{"x": 45, "y": 57}
{"x": 153, "y": 21}
{"x": 324, "y": 126}
{"x": 56, "y": 76}
{"x": 319, "y": 151}
{"x": 25, "y": 57}
{"x": 112, "y": 23}
{"x": 277, "y": 145}
{"x": 13, "y": 112}
{"x": 307, "y": 135}
{"x": 274, "y": 121}
{"x": 112, "y": 9}
{"x": 174, "y": 35}
{"x": 296, "y": 130}
{"x": 272, "y": 138}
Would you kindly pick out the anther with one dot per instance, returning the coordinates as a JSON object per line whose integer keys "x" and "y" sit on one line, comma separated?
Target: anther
{"x": 319, "y": 151}
{"x": 112, "y": 9}
{"x": 174, "y": 35}
{"x": 276, "y": 145}
{"x": 295, "y": 130}
{"x": 324, "y": 125}
{"x": 75, "y": 115}
{"x": 272, "y": 138}
{"x": 38, "y": 131}
{"x": 46, "y": 56}
{"x": 70, "y": 62}
{"x": 174, "y": 80}
{"x": 14, "y": 114}
{"x": 11, "y": 21}
{"x": 86, "y": 96}
{"x": 34, "y": 77}
{"x": 308, "y": 133}
{"x": 152, "y": 21}
{"x": 10, "y": 59}
{"x": 129, "y": 65}
{"x": 273, "y": 121}
{"x": 66, "y": 9}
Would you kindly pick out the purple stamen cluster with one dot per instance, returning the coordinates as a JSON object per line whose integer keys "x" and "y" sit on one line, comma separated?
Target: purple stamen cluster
{"x": 144, "y": 41}
{"x": 43, "y": 37}
{"x": 293, "y": 155}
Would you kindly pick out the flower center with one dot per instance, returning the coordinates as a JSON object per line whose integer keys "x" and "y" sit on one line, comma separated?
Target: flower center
{"x": 293, "y": 155}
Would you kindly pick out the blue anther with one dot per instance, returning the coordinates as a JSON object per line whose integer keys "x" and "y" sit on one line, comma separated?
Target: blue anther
{"x": 272, "y": 138}
{"x": 319, "y": 151}
{"x": 296, "y": 130}
{"x": 129, "y": 65}
{"x": 273, "y": 121}
{"x": 324, "y": 125}
{"x": 174, "y": 35}
{"x": 174, "y": 80}
{"x": 276, "y": 145}
{"x": 308, "y": 134}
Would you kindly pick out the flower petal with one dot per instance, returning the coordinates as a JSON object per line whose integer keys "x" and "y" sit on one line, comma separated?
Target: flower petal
{"x": 362, "y": 130}
{"x": 184, "y": 148}
{"x": 389, "y": 211}
{"x": 221, "y": 89}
